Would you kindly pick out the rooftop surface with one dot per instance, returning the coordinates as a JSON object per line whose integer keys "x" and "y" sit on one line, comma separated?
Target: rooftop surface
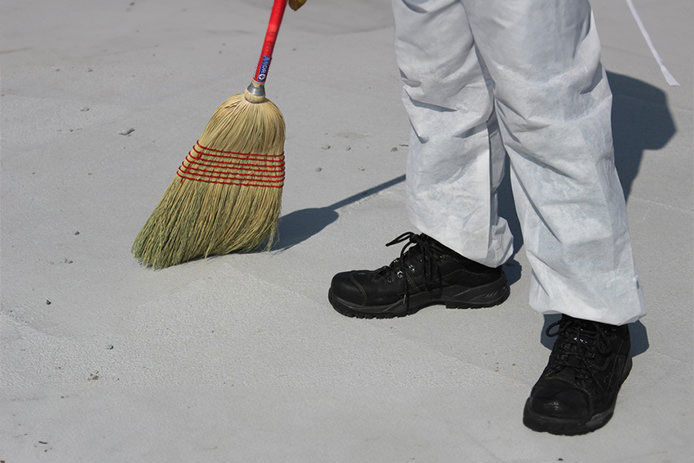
{"x": 240, "y": 357}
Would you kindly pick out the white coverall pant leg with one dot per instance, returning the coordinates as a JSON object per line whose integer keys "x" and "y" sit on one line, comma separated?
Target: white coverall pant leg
{"x": 456, "y": 157}
{"x": 536, "y": 64}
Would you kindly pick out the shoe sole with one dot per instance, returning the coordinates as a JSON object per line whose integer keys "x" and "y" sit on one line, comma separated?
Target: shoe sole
{"x": 571, "y": 427}
{"x": 453, "y": 297}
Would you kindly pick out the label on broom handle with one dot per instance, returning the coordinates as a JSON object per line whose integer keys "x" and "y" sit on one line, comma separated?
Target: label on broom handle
{"x": 261, "y": 71}
{"x": 273, "y": 29}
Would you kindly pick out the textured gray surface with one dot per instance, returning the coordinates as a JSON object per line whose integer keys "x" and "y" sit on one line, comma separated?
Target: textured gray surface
{"x": 240, "y": 358}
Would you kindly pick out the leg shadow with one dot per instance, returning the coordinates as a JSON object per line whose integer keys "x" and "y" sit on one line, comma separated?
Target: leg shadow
{"x": 641, "y": 120}
{"x": 507, "y": 210}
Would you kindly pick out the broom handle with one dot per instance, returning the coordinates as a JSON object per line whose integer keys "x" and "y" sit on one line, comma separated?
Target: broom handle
{"x": 268, "y": 46}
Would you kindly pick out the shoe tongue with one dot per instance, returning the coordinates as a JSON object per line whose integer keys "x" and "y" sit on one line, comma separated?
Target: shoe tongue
{"x": 437, "y": 247}
{"x": 578, "y": 329}
{"x": 416, "y": 248}
{"x": 432, "y": 242}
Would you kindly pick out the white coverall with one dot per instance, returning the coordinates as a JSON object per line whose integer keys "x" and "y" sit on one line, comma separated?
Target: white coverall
{"x": 533, "y": 65}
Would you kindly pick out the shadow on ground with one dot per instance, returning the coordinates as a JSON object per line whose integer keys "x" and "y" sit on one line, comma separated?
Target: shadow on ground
{"x": 301, "y": 225}
{"x": 641, "y": 120}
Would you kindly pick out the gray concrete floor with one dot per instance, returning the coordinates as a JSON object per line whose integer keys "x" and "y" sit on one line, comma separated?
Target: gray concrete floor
{"x": 240, "y": 358}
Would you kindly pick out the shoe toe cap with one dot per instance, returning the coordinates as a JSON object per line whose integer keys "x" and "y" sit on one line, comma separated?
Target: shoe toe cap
{"x": 559, "y": 400}
{"x": 346, "y": 287}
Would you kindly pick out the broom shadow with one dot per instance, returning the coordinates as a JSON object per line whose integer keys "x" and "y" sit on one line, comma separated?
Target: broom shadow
{"x": 298, "y": 226}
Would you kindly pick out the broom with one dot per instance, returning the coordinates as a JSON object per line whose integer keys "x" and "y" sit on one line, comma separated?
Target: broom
{"x": 227, "y": 193}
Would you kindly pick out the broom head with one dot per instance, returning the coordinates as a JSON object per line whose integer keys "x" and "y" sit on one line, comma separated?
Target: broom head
{"x": 227, "y": 193}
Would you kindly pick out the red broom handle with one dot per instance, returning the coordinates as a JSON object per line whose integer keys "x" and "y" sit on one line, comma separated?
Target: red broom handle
{"x": 273, "y": 29}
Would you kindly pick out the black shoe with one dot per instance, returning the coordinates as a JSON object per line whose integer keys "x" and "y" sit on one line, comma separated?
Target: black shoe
{"x": 426, "y": 273}
{"x": 577, "y": 391}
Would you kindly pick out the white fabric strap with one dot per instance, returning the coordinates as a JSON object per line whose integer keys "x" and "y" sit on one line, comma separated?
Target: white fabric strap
{"x": 668, "y": 76}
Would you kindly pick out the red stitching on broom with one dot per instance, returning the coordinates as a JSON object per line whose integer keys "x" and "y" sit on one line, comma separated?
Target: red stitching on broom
{"x": 237, "y": 157}
{"x": 233, "y": 176}
{"x": 186, "y": 169}
{"x": 234, "y": 152}
{"x": 196, "y": 163}
{"x": 229, "y": 183}
{"x": 222, "y": 164}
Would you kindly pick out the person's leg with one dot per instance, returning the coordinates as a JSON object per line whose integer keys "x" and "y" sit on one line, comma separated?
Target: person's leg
{"x": 554, "y": 103}
{"x": 455, "y": 162}
{"x": 454, "y": 167}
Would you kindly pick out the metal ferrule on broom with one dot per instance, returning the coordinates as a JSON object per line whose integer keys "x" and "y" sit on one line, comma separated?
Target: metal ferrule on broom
{"x": 255, "y": 93}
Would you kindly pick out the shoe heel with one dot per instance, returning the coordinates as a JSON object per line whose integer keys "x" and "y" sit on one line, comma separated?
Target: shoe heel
{"x": 487, "y": 295}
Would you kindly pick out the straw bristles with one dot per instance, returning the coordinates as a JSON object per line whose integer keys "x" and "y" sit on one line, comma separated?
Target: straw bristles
{"x": 227, "y": 194}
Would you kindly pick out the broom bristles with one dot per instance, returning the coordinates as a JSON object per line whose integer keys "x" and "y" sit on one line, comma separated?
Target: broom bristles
{"x": 227, "y": 194}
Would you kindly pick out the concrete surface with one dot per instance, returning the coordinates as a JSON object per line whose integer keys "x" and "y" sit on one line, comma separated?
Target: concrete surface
{"x": 240, "y": 358}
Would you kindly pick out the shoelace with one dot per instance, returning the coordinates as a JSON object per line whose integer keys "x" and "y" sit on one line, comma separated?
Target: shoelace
{"x": 582, "y": 342}
{"x": 420, "y": 245}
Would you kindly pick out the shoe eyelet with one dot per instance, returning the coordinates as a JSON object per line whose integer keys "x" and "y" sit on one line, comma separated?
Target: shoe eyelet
{"x": 412, "y": 269}
{"x": 400, "y": 274}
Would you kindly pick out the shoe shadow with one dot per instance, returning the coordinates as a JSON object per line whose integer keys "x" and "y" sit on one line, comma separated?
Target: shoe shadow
{"x": 639, "y": 338}
{"x": 298, "y": 226}
{"x": 637, "y": 332}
